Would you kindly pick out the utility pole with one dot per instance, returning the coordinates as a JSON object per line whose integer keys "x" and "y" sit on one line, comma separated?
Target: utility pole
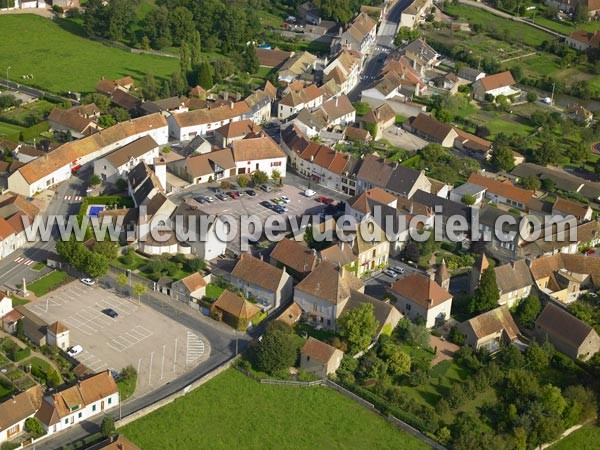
{"x": 552, "y": 96}
{"x": 7, "y": 69}
{"x": 236, "y": 342}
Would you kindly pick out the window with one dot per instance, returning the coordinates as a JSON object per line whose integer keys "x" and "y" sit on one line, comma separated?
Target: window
{"x": 66, "y": 421}
{"x": 13, "y": 430}
{"x": 109, "y": 400}
{"x": 408, "y": 305}
{"x": 79, "y": 415}
{"x": 93, "y": 407}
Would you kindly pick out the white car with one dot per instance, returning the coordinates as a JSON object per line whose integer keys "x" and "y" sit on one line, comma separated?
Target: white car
{"x": 88, "y": 281}
{"x": 309, "y": 193}
{"x": 75, "y": 350}
{"x": 398, "y": 269}
{"x": 209, "y": 199}
{"x": 284, "y": 199}
{"x": 390, "y": 273}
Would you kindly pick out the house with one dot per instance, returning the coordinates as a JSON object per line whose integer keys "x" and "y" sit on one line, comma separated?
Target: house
{"x": 447, "y": 209}
{"x": 341, "y": 254}
{"x": 125, "y": 100}
{"x": 25, "y": 153}
{"x": 17, "y": 216}
{"x": 371, "y": 247}
{"x": 6, "y": 305}
{"x": 494, "y": 85}
{"x": 107, "y": 87}
{"x": 144, "y": 184}
{"x": 564, "y": 207}
{"x": 16, "y": 410}
{"x": 568, "y": 334}
{"x": 490, "y": 330}
{"x": 78, "y": 403}
{"x": 415, "y": 13}
{"x": 291, "y": 315}
{"x": 118, "y": 163}
{"x": 568, "y": 6}
{"x": 431, "y": 129}
{"x": 503, "y": 191}
{"x": 80, "y": 120}
{"x": 260, "y": 103}
{"x": 336, "y": 111}
{"x": 418, "y": 296}
{"x": 359, "y": 135}
{"x": 205, "y": 167}
{"x": 514, "y": 282}
{"x": 58, "y": 165}
{"x": 259, "y": 153}
{"x": 296, "y": 100}
{"x": 235, "y": 131}
{"x": 320, "y": 358}
{"x": 421, "y": 56}
{"x": 562, "y": 238}
{"x": 235, "y": 311}
{"x": 198, "y": 145}
{"x": 269, "y": 286}
{"x": 470, "y": 74}
{"x": 57, "y": 335}
{"x": 472, "y": 145}
{"x": 359, "y": 36}
{"x": 344, "y": 70}
{"x": 379, "y": 119}
{"x": 473, "y": 190}
{"x": 360, "y": 206}
{"x": 579, "y": 113}
{"x": 165, "y": 106}
{"x": 273, "y": 58}
{"x": 296, "y": 66}
{"x": 34, "y": 327}
{"x": 297, "y": 258}
{"x": 9, "y": 321}
{"x": 501, "y": 229}
{"x": 189, "y": 289}
{"x": 583, "y": 40}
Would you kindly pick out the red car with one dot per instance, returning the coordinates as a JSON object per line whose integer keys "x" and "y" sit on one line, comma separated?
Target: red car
{"x": 233, "y": 194}
{"x": 325, "y": 200}
{"x": 590, "y": 251}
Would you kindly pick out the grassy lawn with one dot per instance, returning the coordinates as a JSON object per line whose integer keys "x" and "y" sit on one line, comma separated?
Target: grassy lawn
{"x": 213, "y": 291}
{"x": 61, "y": 61}
{"x": 585, "y": 438}
{"x": 19, "y": 301}
{"x": 29, "y": 114}
{"x": 39, "y": 266}
{"x": 48, "y": 283}
{"x": 138, "y": 262}
{"x": 9, "y": 128}
{"x": 237, "y": 412}
{"x": 126, "y": 388}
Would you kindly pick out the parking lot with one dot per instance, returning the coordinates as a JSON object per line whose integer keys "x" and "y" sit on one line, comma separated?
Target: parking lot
{"x": 159, "y": 348}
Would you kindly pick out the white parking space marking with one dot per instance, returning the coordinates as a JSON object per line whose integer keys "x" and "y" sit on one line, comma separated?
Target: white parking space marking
{"x": 195, "y": 348}
{"x": 129, "y": 339}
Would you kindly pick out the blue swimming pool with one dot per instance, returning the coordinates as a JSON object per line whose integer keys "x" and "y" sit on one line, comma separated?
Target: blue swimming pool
{"x": 95, "y": 210}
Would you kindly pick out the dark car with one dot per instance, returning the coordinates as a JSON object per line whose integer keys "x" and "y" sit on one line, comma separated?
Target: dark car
{"x": 201, "y": 200}
{"x": 111, "y": 313}
{"x": 221, "y": 197}
{"x": 266, "y": 204}
{"x": 279, "y": 209}
{"x": 250, "y": 193}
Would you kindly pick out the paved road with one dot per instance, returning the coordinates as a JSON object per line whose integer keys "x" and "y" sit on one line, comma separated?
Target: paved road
{"x": 37, "y": 93}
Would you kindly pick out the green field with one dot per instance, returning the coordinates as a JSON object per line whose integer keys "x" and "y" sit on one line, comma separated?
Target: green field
{"x": 9, "y": 128}
{"x": 47, "y": 283}
{"x": 61, "y": 61}
{"x": 585, "y": 438}
{"x": 233, "y": 411}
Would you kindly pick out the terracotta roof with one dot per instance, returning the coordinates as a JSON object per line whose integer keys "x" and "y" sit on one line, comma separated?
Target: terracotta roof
{"x": 194, "y": 282}
{"x": 272, "y": 57}
{"x": 257, "y": 272}
{"x": 337, "y": 107}
{"x": 305, "y": 95}
{"x": 561, "y": 324}
{"x": 20, "y": 407}
{"x": 318, "y": 350}
{"x": 339, "y": 254}
{"x": 204, "y": 164}
{"x": 256, "y": 148}
{"x": 384, "y": 312}
{"x": 497, "y": 80}
{"x": 197, "y": 91}
{"x": 57, "y": 328}
{"x": 361, "y": 202}
{"x": 71, "y": 151}
{"x": 330, "y": 283}
{"x": 294, "y": 255}
{"x": 291, "y": 315}
{"x": 357, "y": 134}
{"x": 494, "y": 321}
{"x": 236, "y": 306}
{"x": 135, "y": 149}
{"x": 503, "y": 188}
{"x": 30, "y": 151}
{"x": 125, "y": 100}
{"x": 430, "y": 127}
{"x": 361, "y": 26}
{"x": 238, "y": 129}
{"x": 70, "y": 119}
{"x": 513, "y": 276}
{"x": 218, "y": 114}
{"x": 12, "y": 316}
{"x": 381, "y": 114}
{"x": 575, "y": 209}
{"x": 421, "y": 290}
{"x": 472, "y": 142}
{"x": 586, "y": 37}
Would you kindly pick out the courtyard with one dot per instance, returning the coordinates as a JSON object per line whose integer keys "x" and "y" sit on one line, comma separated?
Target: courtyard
{"x": 137, "y": 336}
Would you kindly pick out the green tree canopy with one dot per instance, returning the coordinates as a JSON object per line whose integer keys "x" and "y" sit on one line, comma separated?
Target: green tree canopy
{"x": 487, "y": 293}
{"x": 359, "y": 326}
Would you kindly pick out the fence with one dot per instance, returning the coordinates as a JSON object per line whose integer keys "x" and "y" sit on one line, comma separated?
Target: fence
{"x": 293, "y": 383}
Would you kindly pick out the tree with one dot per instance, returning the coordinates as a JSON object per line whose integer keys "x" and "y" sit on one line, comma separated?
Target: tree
{"x": 53, "y": 378}
{"x": 338, "y": 10}
{"x": 548, "y": 185}
{"x": 580, "y": 14}
{"x": 259, "y": 177}
{"x": 528, "y": 310}
{"x": 503, "y": 158}
{"x": 121, "y": 184}
{"x": 165, "y": 89}
{"x": 96, "y": 265}
{"x": 531, "y": 182}
{"x": 95, "y": 180}
{"x": 532, "y": 97}
{"x": 122, "y": 279}
{"x": 20, "y": 329}
{"x": 195, "y": 49}
{"x": 149, "y": 87}
{"x": 205, "y": 77}
{"x": 277, "y": 350}
{"x": 196, "y": 264}
{"x": 536, "y": 358}
{"x": 251, "y": 63}
{"x": 106, "y": 121}
{"x": 138, "y": 290}
{"x": 487, "y": 294}
{"x": 242, "y": 181}
{"x": 34, "y": 426}
{"x": 275, "y": 175}
{"x": 468, "y": 199}
{"x": 482, "y": 131}
{"x": 510, "y": 357}
{"x": 107, "y": 249}
{"x": 359, "y": 326}
{"x": 398, "y": 361}
{"x": 181, "y": 23}
{"x": 107, "y": 428}
{"x": 178, "y": 85}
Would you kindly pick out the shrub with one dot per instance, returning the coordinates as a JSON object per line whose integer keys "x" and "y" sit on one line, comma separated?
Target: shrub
{"x": 34, "y": 426}
{"x": 107, "y": 427}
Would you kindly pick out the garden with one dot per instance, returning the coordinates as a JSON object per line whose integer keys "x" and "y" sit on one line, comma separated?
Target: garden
{"x": 49, "y": 283}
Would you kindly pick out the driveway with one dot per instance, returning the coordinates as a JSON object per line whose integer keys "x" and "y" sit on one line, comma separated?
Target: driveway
{"x": 444, "y": 350}
{"x": 403, "y": 139}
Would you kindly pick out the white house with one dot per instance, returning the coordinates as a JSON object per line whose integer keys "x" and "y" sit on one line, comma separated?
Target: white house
{"x": 198, "y": 169}
{"x": 13, "y": 233}
{"x": 360, "y": 35}
{"x": 336, "y": 111}
{"x": 57, "y": 166}
{"x": 498, "y": 84}
{"x": 344, "y": 70}
{"x": 202, "y": 122}
{"x": 118, "y": 163}
{"x": 260, "y": 153}
{"x": 295, "y": 101}
{"x": 6, "y": 305}
{"x": 78, "y": 403}
{"x": 474, "y": 190}
{"x": 16, "y": 410}
{"x": 415, "y": 13}
{"x": 418, "y": 296}
{"x": 57, "y": 335}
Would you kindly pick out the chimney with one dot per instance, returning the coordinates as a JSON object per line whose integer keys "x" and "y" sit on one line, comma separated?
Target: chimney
{"x": 336, "y": 101}
{"x": 261, "y": 257}
{"x": 231, "y": 105}
{"x": 342, "y": 246}
{"x": 225, "y": 95}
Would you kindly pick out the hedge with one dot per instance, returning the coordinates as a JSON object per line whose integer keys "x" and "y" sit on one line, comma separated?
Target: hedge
{"x": 34, "y": 131}
{"x": 116, "y": 200}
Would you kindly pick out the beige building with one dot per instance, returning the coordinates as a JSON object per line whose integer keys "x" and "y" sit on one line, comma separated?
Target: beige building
{"x": 514, "y": 282}
{"x": 371, "y": 247}
{"x": 490, "y": 329}
{"x": 57, "y": 335}
{"x": 320, "y": 358}
{"x": 419, "y": 296}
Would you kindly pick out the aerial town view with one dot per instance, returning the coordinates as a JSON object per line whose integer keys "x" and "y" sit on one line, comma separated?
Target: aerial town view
{"x": 289, "y": 224}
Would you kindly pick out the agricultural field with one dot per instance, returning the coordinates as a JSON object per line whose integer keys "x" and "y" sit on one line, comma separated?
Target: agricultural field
{"x": 258, "y": 412}
{"x": 585, "y": 438}
{"x": 61, "y": 61}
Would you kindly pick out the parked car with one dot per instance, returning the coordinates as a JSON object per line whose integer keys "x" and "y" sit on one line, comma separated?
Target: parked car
{"x": 266, "y": 204}
{"x": 111, "y": 313}
{"x": 88, "y": 281}
{"x": 221, "y": 197}
{"x": 283, "y": 207}
{"x": 398, "y": 269}
{"x": 309, "y": 193}
{"x": 200, "y": 200}
{"x": 250, "y": 193}
{"x": 390, "y": 273}
{"x": 233, "y": 194}
{"x": 75, "y": 350}
{"x": 590, "y": 251}
{"x": 284, "y": 199}
{"x": 277, "y": 201}
{"x": 278, "y": 209}
{"x": 265, "y": 188}
{"x": 325, "y": 200}
{"x": 209, "y": 199}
